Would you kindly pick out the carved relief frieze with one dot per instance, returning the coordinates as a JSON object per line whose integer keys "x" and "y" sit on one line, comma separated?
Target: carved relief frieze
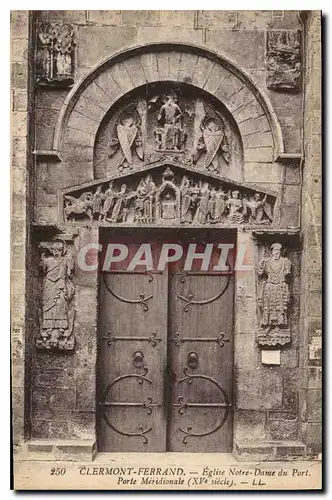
{"x": 170, "y": 196}
{"x": 55, "y": 54}
{"x": 169, "y": 124}
{"x": 283, "y": 61}
{"x": 274, "y": 299}
{"x": 57, "y": 305}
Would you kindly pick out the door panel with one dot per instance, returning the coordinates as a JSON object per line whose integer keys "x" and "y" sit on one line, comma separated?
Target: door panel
{"x": 201, "y": 350}
{"x": 165, "y": 371}
{"x": 132, "y": 362}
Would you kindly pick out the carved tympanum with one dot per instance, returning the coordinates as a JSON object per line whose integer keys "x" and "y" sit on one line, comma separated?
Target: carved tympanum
{"x": 57, "y": 312}
{"x": 173, "y": 124}
{"x": 168, "y": 197}
{"x": 274, "y": 298}
{"x": 55, "y": 54}
{"x": 283, "y": 60}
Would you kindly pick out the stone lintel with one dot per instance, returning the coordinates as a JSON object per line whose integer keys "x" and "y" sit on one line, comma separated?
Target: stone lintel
{"x": 269, "y": 450}
{"x": 47, "y": 155}
{"x": 63, "y": 449}
{"x": 294, "y": 158}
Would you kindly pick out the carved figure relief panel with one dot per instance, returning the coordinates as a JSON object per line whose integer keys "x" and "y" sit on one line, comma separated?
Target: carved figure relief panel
{"x": 57, "y": 308}
{"x": 167, "y": 122}
{"x": 169, "y": 195}
{"x": 55, "y": 54}
{"x": 274, "y": 298}
{"x": 283, "y": 61}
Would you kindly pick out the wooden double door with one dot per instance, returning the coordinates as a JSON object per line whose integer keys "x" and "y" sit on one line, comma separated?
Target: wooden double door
{"x": 165, "y": 366}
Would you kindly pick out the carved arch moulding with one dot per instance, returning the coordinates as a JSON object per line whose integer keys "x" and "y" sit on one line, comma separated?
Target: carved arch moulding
{"x": 178, "y": 64}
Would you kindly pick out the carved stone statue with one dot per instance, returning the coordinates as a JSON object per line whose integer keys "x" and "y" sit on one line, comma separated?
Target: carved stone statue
{"x": 236, "y": 208}
{"x": 274, "y": 298}
{"x": 202, "y": 206}
{"x": 120, "y": 206}
{"x": 58, "y": 311}
{"x": 170, "y": 135}
{"x": 55, "y": 54}
{"x": 213, "y": 137}
{"x": 198, "y": 199}
{"x": 144, "y": 198}
{"x": 78, "y": 207}
{"x": 97, "y": 202}
{"x": 210, "y": 139}
{"x": 109, "y": 197}
{"x": 128, "y": 138}
{"x": 283, "y": 59}
{"x": 260, "y": 210}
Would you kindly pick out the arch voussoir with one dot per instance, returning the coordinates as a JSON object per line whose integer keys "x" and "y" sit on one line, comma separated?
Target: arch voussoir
{"x": 196, "y": 66}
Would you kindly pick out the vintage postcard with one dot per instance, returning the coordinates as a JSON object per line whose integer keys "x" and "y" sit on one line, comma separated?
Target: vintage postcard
{"x": 166, "y": 265}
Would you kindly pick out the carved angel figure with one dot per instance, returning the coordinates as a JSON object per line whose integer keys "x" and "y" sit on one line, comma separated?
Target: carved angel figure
{"x": 57, "y": 315}
{"x": 258, "y": 209}
{"x": 128, "y": 138}
{"x": 275, "y": 297}
{"x": 211, "y": 141}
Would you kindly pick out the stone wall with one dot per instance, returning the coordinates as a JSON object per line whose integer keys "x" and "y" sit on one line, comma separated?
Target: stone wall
{"x": 311, "y": 310}
{"x": 22, "y": 101}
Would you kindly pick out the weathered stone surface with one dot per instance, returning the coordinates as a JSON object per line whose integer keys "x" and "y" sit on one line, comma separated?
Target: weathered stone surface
{"x": 85, "y": 389}
{"x": 258, "y": 124}
{"x": 20, "y": 100}
{"x": 262, "y": 172}
{"x": 218, "y": 19}
{"x": 46, "y": 120}
{"x": 259, "y": 389}
{"x": 19, "y": 124}
{"x": 291, "y": 194}
{"x": 19, "y": 75}
{"x": 104, "y": 17}
{"x": 249, "y": 425}
{"x": 169, "y": 34}
{"x": 141, "y": 17}
{"x": 58, "y": 430}
{"x": 289, "y": 215}
{"x": 19, "y": 23}
{"x": 283, "y": 430}
{"x": 244, "y": 47}
{"x": 90, "y": 51}
{"x": 245, "y": 314}
{"x": 82, "y": 425}
{"x": 255, "y": 19}
{"x": 184, "y": 18}
{"x": 314, "y": 405}
{"x": 258, "y": 140}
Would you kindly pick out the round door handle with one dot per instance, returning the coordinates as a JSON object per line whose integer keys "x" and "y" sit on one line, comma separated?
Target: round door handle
{"x": 192, "y": 360}
{"x": 138, "y": 358}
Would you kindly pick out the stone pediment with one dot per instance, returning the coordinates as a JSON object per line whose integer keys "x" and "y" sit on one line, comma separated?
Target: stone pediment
{"x": 168, "y": 193}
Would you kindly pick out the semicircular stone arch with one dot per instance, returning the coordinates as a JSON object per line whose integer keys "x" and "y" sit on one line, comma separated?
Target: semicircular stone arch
{"x": 91, "y": 99}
